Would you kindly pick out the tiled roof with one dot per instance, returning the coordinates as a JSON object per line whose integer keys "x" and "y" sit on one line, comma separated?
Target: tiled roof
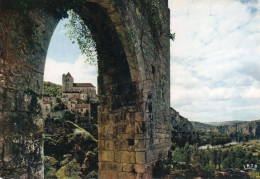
{"x": 82, "y": 85}
{"x": 80, "y": 106}
{"x": 69, "y": 75}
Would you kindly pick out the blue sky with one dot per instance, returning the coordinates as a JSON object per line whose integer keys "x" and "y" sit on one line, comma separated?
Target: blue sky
{"x": 215, "y": 59}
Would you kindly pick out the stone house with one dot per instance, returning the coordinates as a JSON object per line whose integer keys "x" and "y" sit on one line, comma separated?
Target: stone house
{"x": 47, "y": 104}
{"x": 77, "y": 96}
{"x": 77, "y": 106}
{"x": 84, "y": 91}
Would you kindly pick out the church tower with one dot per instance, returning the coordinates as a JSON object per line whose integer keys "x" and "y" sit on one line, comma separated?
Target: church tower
{"x": 67, "y": 82}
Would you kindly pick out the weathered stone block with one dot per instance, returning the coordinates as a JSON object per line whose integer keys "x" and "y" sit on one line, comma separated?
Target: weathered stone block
{"x": 140, "y": 127}
{"x": 111, "y": 166}
{"x": 101, "y": 165}
{"x": 130, "y": 128}
{"x": 123, "y": 175}
{"x": 109, "y": 130}
{"x": 139, "y": 117}
{"x": 127, "y": 167}
{"x": 140, "y": 145}
{"x": 139, "y": 168}
{"x": 109, "y": 145}
{"x": 108, "y": 156}
{"x": 101, "y": 145}
{"x": 107, "y": 174}
{"x": 139, "y": 136}
{"x": 140, "y": 157}
{"x": 127, "y": 157}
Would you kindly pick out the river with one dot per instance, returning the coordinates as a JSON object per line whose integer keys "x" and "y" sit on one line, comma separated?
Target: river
{"x": 217, "y": 146}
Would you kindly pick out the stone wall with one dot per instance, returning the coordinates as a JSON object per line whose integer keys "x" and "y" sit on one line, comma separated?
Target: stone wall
{"x": 133, "y": 82}
{"x": 23, "y": 49}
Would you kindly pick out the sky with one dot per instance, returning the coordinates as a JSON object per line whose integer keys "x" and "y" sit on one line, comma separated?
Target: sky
{"x": 215, "y": 59}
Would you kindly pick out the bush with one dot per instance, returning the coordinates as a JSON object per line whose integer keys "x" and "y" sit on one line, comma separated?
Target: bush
{"x": 50, "y": 167}
{"x": 70, "y": 168}
{"x": 162, "y": 168}
{"x": 92, "y": 174}
{"x": 207, "y": 171}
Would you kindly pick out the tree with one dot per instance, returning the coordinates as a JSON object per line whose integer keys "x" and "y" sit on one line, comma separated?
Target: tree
{"x": 219, "y": 156}
{"x": 78, "y": 32}
{"x": 187, "y": 152}
{"x": 178, "y": 155}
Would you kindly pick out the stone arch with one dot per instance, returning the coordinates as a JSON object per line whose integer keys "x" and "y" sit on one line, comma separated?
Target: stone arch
{"x": 133, "y": 81}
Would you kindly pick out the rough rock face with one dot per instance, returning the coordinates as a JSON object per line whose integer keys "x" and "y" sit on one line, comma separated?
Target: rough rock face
{"x": 251, "y": 128}
{"x": 182, "y": 129}
{"x": 132, "y": 39}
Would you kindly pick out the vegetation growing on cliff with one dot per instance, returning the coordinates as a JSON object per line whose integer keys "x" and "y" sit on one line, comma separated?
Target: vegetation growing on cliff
{"x": 52, "y": 89}
{"x": 70, "y": 150}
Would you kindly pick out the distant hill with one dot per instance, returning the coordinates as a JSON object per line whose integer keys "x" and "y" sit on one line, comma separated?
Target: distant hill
{"x": 52, "y": 89}
{"x": 224, "y": 123}
{"x": 201, "y": 126}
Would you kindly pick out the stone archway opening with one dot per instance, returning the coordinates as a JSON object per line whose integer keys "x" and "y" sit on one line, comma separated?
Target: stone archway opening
{"x": 133, "y": 84}
{"x": 69, "y": 109}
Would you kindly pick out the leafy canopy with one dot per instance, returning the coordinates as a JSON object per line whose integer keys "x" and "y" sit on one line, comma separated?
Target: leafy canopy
{"x": 78, "y": 32}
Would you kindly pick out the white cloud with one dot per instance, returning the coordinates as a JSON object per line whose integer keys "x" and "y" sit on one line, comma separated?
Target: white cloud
{"x": 81, "y": 71}
{"x": 215, "y": 63}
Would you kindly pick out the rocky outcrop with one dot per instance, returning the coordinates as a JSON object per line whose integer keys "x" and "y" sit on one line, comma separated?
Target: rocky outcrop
{"x": 182, "y": 129}
{"x": 249, "y": 128}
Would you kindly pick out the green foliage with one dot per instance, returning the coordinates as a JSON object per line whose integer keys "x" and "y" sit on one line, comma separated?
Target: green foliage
{"x": 178, "y": 155}
{"x": 76, "y": 150}
{"x": 92, "y": 175}
{"x": 207, "y": 171}
{"x": 50, "y": 165}
{"x": 70, "y": 168}
{"x": 220, "y": 140}
{"x": 254, "y": 174}
{"x": 78, "y": 32}
{"x": 59, "y": 107}
{"x": 52, "y": 89}
{"x": 68, "y": 116}
{"x": 82, "y": 133}
{"x": 162, "y": 167}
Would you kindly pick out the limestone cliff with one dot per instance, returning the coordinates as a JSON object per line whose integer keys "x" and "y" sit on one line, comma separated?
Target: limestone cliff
{"x": 182, "y": 129}
{"x": 251, "y": 128}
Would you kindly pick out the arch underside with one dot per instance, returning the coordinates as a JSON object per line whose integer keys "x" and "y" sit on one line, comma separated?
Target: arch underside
{"x": 133, "y": 86}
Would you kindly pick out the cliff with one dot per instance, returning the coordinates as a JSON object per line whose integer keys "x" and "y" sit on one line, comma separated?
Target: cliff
{"x": 251, "y": 128}
{"x": 182, "y": 129}
{"x": 235, "y": 129}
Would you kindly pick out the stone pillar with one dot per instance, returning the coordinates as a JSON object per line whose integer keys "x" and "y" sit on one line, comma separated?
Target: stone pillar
{"x": 133, "y": 87}
{"x": 24, "y": 38}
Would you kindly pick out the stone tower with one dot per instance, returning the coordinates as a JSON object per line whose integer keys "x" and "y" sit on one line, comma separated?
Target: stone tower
{"x": 67, "y": 82}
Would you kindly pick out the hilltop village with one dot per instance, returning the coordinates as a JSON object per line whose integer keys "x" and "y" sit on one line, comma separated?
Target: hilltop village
{"x": 75, "y": 97}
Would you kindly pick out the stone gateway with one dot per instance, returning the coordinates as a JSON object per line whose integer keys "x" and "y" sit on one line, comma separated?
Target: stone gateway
{"x": 132, "y": 38}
